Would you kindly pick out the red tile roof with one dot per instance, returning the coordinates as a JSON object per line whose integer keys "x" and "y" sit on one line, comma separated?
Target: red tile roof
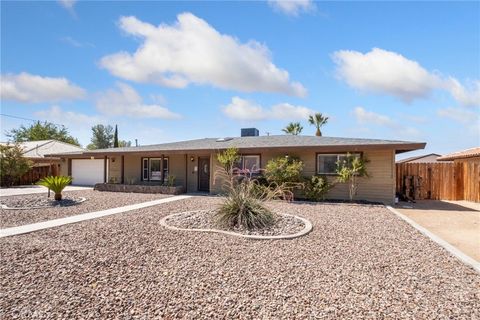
{"x": 469, "y": 153}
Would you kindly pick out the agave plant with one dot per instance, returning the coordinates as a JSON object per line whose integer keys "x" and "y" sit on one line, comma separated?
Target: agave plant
{"x": 56, "y": 184}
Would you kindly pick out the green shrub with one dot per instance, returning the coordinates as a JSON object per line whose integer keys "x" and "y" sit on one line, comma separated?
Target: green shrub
{"x": 56, "y": 184}
{"x": 284, "y": 170}
{"x": 12, "y": 164}
{"x": 171, "y": 180}
{"x": 349, "y": 170}
{"x": 317, "y": 187}
{"x": 228, "y": 158}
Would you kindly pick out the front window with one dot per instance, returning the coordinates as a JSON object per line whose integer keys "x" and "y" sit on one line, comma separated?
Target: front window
{"x": 248, "y": 164}
{"x": 327, "y": 163}
{"x": 152, "y": 169}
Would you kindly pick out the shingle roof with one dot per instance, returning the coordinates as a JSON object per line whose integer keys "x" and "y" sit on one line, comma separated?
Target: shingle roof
{"x": 262, "y": 142}
{"x": 468, "y": 153}
{"x": 425, "y": 158}
{"x": 40, "y": 148}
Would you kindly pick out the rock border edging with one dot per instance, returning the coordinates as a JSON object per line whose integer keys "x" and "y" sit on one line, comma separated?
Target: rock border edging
{"x": 4, "y": 207}
{"x": 308, "y": 228}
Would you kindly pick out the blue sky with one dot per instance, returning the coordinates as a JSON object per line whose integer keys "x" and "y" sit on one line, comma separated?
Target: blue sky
{"x": 167, "y": 71}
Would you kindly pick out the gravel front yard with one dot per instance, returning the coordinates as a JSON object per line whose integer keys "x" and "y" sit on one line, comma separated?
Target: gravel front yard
{"x": 359, "y": 261}
{"x": 96, "y": 200}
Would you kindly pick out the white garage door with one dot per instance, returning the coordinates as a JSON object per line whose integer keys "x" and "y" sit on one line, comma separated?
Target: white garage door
{"x": 87, "y": 172}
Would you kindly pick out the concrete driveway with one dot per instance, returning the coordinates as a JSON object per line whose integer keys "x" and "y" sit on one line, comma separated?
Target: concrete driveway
{"x": 457, "y": 222}
{"x": 30, "y": 189}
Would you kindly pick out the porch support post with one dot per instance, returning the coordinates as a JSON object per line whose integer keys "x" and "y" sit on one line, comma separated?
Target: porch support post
{"x": 123, "y": 169}
{"x": 161, "y": 169}
{"x": 186, "y": 172}
{"x": 105, "y": 169}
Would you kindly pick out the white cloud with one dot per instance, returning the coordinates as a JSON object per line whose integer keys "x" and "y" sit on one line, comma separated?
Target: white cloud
{"x": 388, "y": 72}
{"x": 467, "y": 97}
{"x": 29, "y": 88}
{"x": 292, "y": 7}
{"x": 67, "y": 4}
{"x": 241, "y": 109}
{"x": 459, "y": 115}
{"x": 75, "y": 43}
{"x": 127, "y": 102}
{"x": 192, "y": 51}
{"x": 68, "y": 118}
{"x": 365, "y": 117}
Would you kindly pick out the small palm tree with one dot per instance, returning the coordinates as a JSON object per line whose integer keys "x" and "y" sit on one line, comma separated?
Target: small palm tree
{"x": 318, "y": 120}
{"x": 293, "y": 128}
{"x": 56, "y": 184}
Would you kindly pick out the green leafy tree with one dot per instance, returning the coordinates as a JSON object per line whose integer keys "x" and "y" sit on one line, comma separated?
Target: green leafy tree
{"x": 123, "y": 143}
{"x": 293, "y": 128}
{"x": 115, "y": 138}
{"x": 41, "y": 131}
{"x": 102, "y": 137}
{"x": 284, "y": 170}
{"x": 349, "y": 170}
{"x": 12, "y": 164}
{"x": 318, "y": 120}
{"x": 56, "y": 184}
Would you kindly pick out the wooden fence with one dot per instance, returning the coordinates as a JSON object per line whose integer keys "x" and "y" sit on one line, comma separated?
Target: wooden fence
{"x": 442, "y": 181}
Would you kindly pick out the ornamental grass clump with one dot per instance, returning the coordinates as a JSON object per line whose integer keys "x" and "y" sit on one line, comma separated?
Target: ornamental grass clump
{"x": 56, "y": 184}
{"x": 245, "y": 197}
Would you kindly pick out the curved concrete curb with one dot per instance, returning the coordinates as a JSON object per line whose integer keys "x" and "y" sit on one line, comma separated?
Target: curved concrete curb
{"x": 82, "y": 199}
{"x": 447, "y": 246}
{"x": 304, "y": 231}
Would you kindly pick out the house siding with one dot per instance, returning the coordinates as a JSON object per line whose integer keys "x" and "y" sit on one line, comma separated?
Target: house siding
{"x": 380, "y": 186}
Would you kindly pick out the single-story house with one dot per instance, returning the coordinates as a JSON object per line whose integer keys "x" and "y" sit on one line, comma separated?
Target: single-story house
{"x": 425, "y": 158}
{"x": 35, "y": 151}
{"x": 193, "y": 162}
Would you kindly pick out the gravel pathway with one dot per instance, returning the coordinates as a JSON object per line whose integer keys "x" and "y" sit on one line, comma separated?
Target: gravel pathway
{"x": 358, "y": 262}
{"x": 96, "y": 200}
{"x": 205, "y": 219}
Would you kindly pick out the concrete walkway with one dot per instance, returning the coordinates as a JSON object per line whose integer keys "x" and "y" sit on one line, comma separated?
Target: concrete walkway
{"x": 31, "y": 189}
{"x": 83, "y": 217}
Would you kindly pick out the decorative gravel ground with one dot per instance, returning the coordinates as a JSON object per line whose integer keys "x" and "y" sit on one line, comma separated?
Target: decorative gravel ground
{"x": 35, "y": 201}
{"x": 205, "y": 219}
{"x": 96, "y": 200}
{"x": 358, "y": 262}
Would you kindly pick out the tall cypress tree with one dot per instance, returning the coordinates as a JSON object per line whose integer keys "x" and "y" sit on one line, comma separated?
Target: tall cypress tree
{"x": 115, "y": 137}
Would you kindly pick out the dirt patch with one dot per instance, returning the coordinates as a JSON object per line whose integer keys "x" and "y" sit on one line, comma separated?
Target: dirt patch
{"x": 457, "y": 224}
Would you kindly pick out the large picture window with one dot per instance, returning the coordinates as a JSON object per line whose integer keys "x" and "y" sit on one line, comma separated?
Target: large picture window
{"x": 152, "y": 169}
{"x": 327, "y": 163}
{"x": 248, "y": 163}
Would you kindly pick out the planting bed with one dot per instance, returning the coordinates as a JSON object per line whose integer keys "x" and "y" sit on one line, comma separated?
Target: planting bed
{"x": 285, "y": 225}
{"x": 36, "y": 201}
{"x": 359, "y": 262}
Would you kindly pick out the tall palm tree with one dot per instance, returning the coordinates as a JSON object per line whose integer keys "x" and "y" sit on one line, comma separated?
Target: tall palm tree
{"x": 293, "y": 128}
{"x": 318, "y": 120}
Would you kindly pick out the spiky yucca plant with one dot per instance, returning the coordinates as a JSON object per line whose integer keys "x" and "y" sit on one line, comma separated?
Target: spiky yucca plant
{"x": 56, "y": 184}
{"x": 245, "y": 197}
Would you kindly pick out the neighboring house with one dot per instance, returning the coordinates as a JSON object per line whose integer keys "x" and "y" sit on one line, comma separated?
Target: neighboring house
{"x": 426, "y": 158}
{"x": 193, "y": 162}
{"x": 468, "y": 155}
{"x": 36, "y": 152}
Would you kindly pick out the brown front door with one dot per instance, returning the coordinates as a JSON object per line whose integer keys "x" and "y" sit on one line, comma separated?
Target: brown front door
{"x": 204, "y": 174}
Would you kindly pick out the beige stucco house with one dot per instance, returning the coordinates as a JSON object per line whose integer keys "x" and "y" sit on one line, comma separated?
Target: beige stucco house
{"x": 193, "y": 162}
